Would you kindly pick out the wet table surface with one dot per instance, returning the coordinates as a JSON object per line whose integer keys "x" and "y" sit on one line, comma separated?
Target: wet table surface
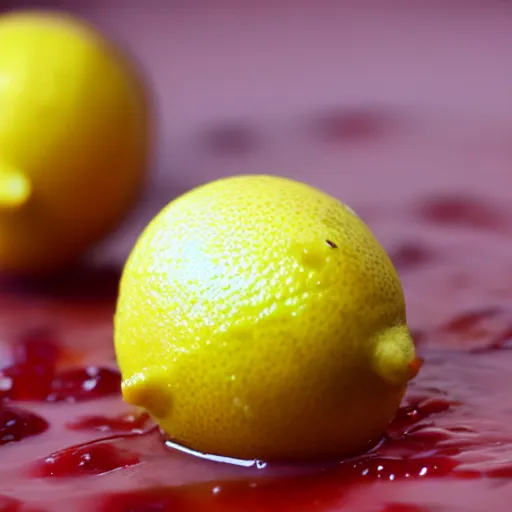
{"x": 403, "y": 113}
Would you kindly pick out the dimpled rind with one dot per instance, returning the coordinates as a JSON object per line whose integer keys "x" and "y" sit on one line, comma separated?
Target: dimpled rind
{"x": 253, "y": 307}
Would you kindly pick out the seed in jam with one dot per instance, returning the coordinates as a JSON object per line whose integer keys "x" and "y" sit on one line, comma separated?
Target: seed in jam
{"x": 17, "y": 424}
{"x": 89, "y": 459}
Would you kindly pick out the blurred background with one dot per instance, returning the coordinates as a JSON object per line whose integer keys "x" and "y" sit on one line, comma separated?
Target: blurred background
{"x": 381, "y": 104}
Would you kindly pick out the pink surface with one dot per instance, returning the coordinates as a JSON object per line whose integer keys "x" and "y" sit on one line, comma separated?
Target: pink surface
{"x": 387, "y": 107}
{"x": 439, "y": 71}
{"x": 437, "y": 76}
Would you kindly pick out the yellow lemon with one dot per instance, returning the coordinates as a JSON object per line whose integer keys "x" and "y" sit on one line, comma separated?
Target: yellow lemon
{"x": 259, "y": 318}
{"x": 74, "y": 139}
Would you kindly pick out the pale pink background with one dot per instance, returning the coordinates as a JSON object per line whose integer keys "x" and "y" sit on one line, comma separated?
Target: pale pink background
{"x": 436, "y": 74}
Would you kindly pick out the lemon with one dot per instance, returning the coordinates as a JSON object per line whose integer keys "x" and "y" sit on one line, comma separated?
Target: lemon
{"x": 74, "y": 139}
{"x": 259, "y": 318}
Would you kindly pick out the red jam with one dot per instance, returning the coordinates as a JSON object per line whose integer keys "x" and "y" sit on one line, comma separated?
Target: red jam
{"x": 89, "y": 459}
{"x": 123, "y": 423}
{"x": 17, "y": 424}
{"x": 68, "y": 442}
{"x": 33, "y": 375}
{"x": 9, "y": 505}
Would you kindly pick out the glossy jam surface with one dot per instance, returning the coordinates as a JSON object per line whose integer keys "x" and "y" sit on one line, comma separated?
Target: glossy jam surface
{"x": 68, "y": 442}
{"x": 33, "y": 375}
{"x": 17, "y": 424}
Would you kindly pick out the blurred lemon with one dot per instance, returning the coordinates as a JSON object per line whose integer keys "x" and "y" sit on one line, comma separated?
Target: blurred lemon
{"x": 259, "y": 318}
{"x": 74, "y": 139}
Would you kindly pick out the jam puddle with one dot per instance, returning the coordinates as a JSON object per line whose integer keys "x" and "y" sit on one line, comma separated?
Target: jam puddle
{"x": 453, "y": 426}
{"x": 68, "y": 442}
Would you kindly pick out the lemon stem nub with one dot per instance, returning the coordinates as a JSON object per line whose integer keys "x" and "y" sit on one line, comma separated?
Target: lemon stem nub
{"x": 148, "y": 389}
{"x": 394, "y": 356}
{"x": 15, "y": 188}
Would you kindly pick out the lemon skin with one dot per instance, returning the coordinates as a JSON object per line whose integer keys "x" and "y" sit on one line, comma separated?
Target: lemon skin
{"x": 260, "y": 318}
{"x": 75, "y": 137}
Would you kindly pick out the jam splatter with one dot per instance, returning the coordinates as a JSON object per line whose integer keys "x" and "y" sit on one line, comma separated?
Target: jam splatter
{"x": 84, "y": 384}
{"x": 354, "y": 125}
{"x": 17, "y": 424}
{"x": 410, "y": 415}
{"x": 411, "y": 255}
{"x": 29, "y": 377}
{"x": 231, "y": 139}
{"x": 133, "y": 423}
{"x": 463, "y": 212}
{"x": 391, "y": 468}
{"x": 90, "y": 459}
{"x": 483, "y": 329}
{"x": 34, "y": 375}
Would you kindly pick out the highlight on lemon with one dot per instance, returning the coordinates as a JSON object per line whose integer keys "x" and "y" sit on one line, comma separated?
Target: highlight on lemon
{"x": 259, "y": 318}
{"x": 75, "y": 130}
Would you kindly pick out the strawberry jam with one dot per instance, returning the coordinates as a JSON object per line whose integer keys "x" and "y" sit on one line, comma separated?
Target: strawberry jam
{"x": 16, "y": 424}
{"x": 68, "y": 442}
{"x": 89, "y": 459}
{"x": 34, "y": 376}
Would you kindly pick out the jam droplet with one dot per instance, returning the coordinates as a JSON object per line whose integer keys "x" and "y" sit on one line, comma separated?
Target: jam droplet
{"x": 29, "y": 377}
{"x": 462, "y": 212}
{"x": 397, "y": 468}
{"x": 353, "y": 125}
{"x": 84, "y": 384}
{"x": 412, "y": 414}
{"x": 33, "y": 374}
{"x": 90, "y": 459}
{"x": 411, "y": 255}
{"x": 25, "y": 382}
{"x": 17, "y": 424}
{"x": 484, "y": 329}
{"x": 124, "y": 423}
{"x": 231, "y": 139}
